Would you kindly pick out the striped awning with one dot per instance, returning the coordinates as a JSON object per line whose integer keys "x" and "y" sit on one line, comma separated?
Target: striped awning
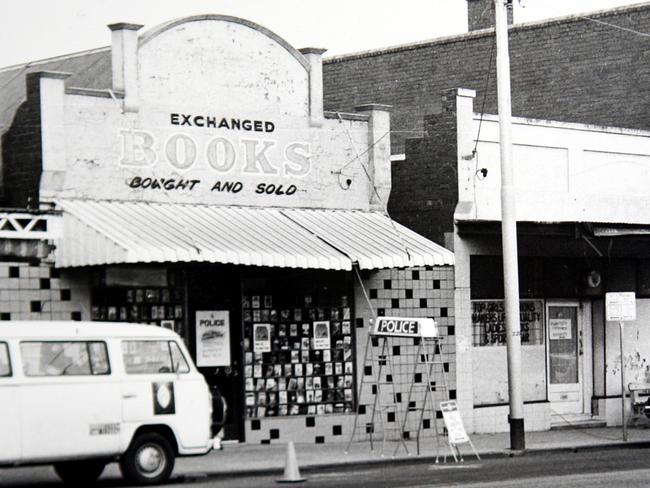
{"x": 101, "y": 232}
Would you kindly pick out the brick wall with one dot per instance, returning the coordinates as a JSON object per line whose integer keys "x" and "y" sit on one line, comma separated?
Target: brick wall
{"x": 569, "y": 70}
{"x": 425, "y": 184}
{"x": 480, "y": 14}
{"x": 21, "y": 151}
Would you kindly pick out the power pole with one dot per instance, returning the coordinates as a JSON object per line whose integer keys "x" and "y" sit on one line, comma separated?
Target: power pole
{"x": 509, "y": 230}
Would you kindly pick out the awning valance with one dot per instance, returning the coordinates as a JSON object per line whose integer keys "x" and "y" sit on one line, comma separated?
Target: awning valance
{"x": 101, "y": 232}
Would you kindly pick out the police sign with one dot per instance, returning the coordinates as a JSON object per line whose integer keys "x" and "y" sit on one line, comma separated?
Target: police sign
{"x": 405, "y": 327}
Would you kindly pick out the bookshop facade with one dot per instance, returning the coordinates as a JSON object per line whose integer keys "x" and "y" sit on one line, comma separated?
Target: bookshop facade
{"x": 207, "y": 191}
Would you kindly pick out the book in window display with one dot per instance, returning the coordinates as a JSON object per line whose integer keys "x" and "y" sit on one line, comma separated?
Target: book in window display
{"x": 297, "y": 314}
{"x": 328, "y": 369}
{"x": 327, "y": 355}
{"x": 336, "y": 329}
{"x": 255, "y": 301}
{"x": 246, "y": 301}
{"x": 262, "y": 334}
{"x": 338, "y": 368}
{"x": 257, "y": 316}
{"x": 345, "y": 327}
{"x": 250, "y": 399}
{"x": 321, "y": 335}
{"x": 257, "y": 371}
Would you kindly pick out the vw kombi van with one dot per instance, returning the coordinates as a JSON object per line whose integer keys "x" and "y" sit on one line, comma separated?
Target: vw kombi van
{"x": 79, "y": 395}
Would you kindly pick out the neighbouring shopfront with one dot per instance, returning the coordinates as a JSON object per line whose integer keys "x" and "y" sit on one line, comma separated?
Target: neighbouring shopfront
{"x": 205, "y": 190}
{"x": 581, "y": 232}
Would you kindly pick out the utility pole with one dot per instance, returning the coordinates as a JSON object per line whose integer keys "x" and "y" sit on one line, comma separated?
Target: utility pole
{"x": 509, "y": 230}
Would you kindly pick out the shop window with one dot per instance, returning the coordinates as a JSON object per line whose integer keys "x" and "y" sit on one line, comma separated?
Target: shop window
{"x": 299, "y": 357}
{"x": 643, "y": 278}
{"x": 153, "y": 357}
{"x": 78, "y": 358}
{"x": 5, "y": 365}
{"x": 161, "y": 306}
{"x": 489, "y": 327}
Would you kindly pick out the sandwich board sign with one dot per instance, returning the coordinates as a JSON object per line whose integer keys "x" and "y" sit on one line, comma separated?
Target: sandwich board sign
{"x": 456, "y": 432}
{"x": 454, "y": 423}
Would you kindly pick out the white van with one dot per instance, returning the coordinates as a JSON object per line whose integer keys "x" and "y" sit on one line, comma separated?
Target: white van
{"x": 82, "y": 394}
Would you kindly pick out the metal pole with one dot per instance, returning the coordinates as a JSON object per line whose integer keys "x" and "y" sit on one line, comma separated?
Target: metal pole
{"x": 509, "y": 231}
{"x": 621, "y": 327}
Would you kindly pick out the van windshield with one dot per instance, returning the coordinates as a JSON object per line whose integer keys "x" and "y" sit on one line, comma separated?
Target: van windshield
{"x": 5, "y": 367}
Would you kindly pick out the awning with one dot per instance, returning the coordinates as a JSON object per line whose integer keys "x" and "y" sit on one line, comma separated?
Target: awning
{"x": 617, "y": 231}
{"x": 100, "y": 232}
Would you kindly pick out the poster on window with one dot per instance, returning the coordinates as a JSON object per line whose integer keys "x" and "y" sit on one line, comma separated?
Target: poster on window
{"x": 262, "y": 338}
{"x": 322, "y": 335}
{"x": 559, "y": 329}
{"x": 212, "y": 338}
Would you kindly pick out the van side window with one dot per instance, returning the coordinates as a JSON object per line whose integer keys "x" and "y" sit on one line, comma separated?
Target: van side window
{"x": 74, "y": 358}
{"x": 146, "y": 357}
{"x": 5, "y": 366}
{"x": 178, "y": 360}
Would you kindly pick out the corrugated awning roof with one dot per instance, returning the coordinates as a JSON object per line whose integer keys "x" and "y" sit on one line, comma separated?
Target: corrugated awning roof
{"x": 99, "y": 232}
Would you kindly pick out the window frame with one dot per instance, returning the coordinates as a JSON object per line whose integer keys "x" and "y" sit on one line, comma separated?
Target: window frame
{"x": 86, "y": 343}
{"x": 10, "y": 371}
{"x": 168, "y": 342}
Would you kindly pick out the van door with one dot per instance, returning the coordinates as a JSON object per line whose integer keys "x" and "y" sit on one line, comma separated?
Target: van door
{"x": 9, "y": 407}
{"x": 159, "y": 381}
{"x": 70, "y": 400}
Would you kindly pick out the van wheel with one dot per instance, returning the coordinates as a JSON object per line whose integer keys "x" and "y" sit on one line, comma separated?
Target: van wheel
{"x": 149, "y": 460}
{"x": 79, "y": 473}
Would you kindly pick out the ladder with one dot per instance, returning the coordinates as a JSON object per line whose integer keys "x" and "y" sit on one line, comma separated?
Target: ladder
{"x": 409, "y": 368}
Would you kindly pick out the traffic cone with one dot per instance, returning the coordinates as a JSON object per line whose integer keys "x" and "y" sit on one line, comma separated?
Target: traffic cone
{"x": 291, "y": 471}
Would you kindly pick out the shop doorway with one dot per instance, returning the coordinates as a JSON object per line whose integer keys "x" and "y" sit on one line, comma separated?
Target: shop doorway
{"x": 564, "y": 361}
{"x": 215, "y": 291}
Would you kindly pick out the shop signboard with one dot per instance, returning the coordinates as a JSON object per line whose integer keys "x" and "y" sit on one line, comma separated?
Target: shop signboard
{"x": 405, "y": 327}
{"x": 212, "y": 338}
{"x": 620, "y": 307}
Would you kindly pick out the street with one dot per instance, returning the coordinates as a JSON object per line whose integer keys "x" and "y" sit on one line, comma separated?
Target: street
{"x": 614, "y": 467}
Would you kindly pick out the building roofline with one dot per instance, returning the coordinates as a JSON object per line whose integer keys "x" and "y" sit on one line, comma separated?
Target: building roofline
{"x": 485, "y": 33}
{"x": 30, "y": 64}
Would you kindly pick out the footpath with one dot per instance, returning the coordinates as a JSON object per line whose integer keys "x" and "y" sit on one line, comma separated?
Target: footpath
{"x": 244, "y": 459}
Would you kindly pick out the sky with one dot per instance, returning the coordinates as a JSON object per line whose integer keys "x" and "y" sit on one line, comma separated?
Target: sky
{"x": 37, "y": 29}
